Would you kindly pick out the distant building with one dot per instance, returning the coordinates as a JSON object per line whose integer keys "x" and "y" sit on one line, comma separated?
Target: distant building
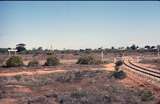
{"x": 12, "y": 50}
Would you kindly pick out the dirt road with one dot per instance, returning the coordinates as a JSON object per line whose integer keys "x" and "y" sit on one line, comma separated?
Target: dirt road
{"x": 52, "y": 70}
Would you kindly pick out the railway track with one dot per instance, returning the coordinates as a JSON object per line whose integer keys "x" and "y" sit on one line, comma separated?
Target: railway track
{"x": 151, "y": 73}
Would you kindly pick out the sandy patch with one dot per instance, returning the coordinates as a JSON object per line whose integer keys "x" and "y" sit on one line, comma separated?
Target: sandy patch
{"x": 40, "y": 72}
{"x": 109, "y": 67}
{"x": 8, "y": 101}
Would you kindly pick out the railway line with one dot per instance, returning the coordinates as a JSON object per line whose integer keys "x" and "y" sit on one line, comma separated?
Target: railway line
{"x": 151, "y": 73}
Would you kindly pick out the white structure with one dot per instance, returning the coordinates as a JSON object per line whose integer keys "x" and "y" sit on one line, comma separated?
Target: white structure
{"x": 118, "y": 59}
{"x": 102, "y": 55}
{"x": 12, "y": 50}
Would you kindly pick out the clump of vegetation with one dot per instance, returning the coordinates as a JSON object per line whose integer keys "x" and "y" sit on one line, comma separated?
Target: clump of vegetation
{"x": 33, "y": 63}
{"x": 84, "y": 97}
{"x": 14, "y": 61}
{"x": 78, "y": 94}
{"x": 88, "y": 60}
{"x": 118, "y": 64}
{"x": 119, "y": 74}
{"x": 52, "y": 61}
{"x": 146, "y": 95}
{"x": 77, "y": 75}
{"x": 67, "y": 77}
{"x": 18, "y": 77}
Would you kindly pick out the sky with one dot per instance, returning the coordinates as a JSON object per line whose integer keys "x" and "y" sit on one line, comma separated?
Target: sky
{"x": 79, "y": 24}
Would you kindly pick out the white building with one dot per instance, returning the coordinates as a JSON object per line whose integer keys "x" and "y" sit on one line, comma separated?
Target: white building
{"x": 12, "y": 50}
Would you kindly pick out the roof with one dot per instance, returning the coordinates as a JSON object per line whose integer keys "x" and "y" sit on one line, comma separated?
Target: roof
{"x": 12, "y": 50}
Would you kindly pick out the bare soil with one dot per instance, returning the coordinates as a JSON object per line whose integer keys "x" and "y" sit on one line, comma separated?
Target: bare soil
{"x": 151, "y": 62}
{"x": 72, "y": 84}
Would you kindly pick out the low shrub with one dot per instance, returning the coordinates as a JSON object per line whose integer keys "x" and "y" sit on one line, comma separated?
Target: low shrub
{"x": 77, "y": 75}
{"x": 33, "y": 63}
{"x": 14, "y": 61}
{"x": 84, "y": 97}
{"x": 88, "y": 60}
{"x": 146, "y": 95}
{"x": 18, "y": 77}
{"x": 52, "y": 61}
{"x": 78, "y": 94}
{"x": 119, "y": 74}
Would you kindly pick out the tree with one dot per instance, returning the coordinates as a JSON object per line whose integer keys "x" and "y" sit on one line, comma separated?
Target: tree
{"x": 127, "y": 48}
{"x": 40, "y": 48}
{"x": 20, "y": 47}
{"x": 121, "y": 48}
{"x": 134, "y": 47}
{"x": 147, "y": 47}
{"x": 88, "y": 50}
{"x": 153, "y": 47}
{"x": 158, "y": 48}
{"x": 112, "y": 48}
{"x": 3, "y": 50}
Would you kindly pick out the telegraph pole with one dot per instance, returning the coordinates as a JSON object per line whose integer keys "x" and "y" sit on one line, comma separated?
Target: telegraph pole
{"x": 51, "y": 49}
{"x": 102, "y": 54}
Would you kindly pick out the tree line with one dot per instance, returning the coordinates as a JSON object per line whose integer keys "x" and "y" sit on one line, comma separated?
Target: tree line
{"x": 21, "y": 48}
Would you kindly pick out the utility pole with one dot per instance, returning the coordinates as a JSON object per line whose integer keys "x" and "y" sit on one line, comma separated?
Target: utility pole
{"x": 51, "y": 49}
{"x": 102, "y": 54}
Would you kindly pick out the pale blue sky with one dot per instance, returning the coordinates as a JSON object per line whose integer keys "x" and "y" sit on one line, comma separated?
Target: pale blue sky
{"x": 79, "y": 24}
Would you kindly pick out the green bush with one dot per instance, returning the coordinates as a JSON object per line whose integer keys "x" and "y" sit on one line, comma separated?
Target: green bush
{"x": 18, "y": 77}
{"x": 33, "y": 63}
{"x": 88, "y": 59}
{"x": 79, "y": 94}
{"x": 146, "y": 95}
{"x": 14, "y": 61}
{"x": 52, "y": 61}
{"x": 119, "y": 74}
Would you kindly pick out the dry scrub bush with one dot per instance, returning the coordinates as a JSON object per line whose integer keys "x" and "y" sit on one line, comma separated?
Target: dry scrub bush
{"x": 84, "y": 97}
{"x": 14, "y": 61}
{"x": 52, "y": 61}
{"x": 33, "y": 63}
{"x": 77, "y": 75}
{"x": 146, "y": 95}
{"x": 88, "y": 60}
{"x": 18, "y": 77}
{"x": 119, "y": 74}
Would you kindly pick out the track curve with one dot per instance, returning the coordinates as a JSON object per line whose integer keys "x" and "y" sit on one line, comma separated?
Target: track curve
{"x": 156, "y": 72}
{"x": 142, "y": 69}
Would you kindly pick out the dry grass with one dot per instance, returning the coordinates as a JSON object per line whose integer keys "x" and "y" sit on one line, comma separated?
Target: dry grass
{"x": 78, "y": 84}
{"x": 72, "y": 87}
